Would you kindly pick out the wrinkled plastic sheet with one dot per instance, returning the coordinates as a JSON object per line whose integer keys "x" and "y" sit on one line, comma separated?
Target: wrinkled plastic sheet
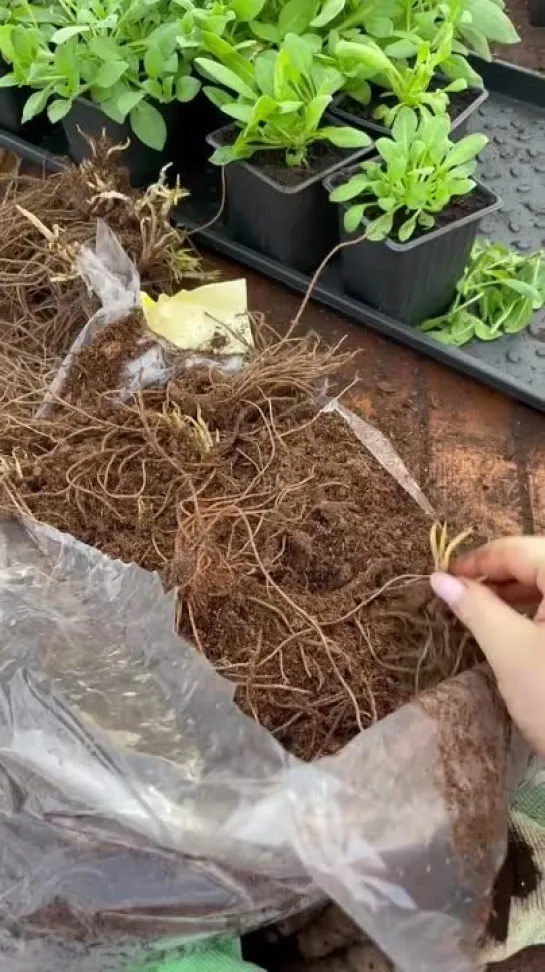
{"x": 137, "y": 802}
{"x": 139, "y": 805}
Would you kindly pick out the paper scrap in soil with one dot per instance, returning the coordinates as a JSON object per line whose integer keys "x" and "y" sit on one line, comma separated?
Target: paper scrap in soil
{"x": 211, "y": 318}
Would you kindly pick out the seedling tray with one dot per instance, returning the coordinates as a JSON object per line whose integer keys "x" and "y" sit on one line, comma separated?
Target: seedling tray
{"x": 513, "y": 164}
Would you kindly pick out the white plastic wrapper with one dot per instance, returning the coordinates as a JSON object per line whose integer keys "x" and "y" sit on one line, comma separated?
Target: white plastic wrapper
{"x": 139, "y": 805}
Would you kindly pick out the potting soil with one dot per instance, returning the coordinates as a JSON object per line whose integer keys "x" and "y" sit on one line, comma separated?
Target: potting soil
{"x": 321, "y": 156}
{"x": 457, "y": 209}
{"x": 301, "y": 565}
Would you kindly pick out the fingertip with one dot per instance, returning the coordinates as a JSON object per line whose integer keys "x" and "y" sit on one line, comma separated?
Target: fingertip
{"x": 448, "y": 588}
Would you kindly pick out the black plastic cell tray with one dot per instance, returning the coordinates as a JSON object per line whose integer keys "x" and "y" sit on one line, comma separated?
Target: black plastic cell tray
{"x": 513, "y": 164}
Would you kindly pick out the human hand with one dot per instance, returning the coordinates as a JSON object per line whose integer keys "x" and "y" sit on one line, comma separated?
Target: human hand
{"x": 514, "y": 576}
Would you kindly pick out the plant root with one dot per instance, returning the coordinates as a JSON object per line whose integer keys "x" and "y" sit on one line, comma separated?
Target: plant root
{"x": 298, "y": 561}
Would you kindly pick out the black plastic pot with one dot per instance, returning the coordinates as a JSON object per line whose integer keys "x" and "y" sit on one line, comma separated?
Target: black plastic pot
{"x": 415, "y": 280}
{"x": 200, "y": 118}
{"x": 12, "y": 102}
{"x": 293, "y": 224}
{"x": 536, "y": 12}
{"x": 340, "y": 110}
{"x": 143, "y": 162}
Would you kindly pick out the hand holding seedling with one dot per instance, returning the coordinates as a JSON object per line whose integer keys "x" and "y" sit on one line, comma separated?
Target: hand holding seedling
{"x": 514, "y": 572}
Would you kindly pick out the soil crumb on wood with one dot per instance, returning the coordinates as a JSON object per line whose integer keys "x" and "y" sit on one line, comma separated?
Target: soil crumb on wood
{"x": 301, "y": 565}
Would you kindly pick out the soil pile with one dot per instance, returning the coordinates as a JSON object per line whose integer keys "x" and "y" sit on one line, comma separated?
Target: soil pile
{"x": 45, "y": 221}
{"x": 300, "y": 563}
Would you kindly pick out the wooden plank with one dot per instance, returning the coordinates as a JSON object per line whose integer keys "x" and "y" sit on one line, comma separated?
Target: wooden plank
{"x": 473, "y": 470}
{"x": 531, "y": 437}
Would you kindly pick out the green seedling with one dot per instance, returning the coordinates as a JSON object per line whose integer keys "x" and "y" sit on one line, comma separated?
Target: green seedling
{"x": 418, "y": 173}
{"x": 277, "y": 99}
{"x": 498, "y": 294}
{"x": 409, "y": 85}
{"x": 123, "y": 55}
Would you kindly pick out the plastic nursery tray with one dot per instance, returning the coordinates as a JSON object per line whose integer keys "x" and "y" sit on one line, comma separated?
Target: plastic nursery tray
{"x": 513, "y": 164}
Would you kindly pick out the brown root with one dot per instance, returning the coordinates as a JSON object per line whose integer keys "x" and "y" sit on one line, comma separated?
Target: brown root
{"x": 298, "y": 559}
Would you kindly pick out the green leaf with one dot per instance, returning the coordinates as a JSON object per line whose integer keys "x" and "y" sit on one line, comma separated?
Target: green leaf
{"x": 218, "y": 96}
{"x": 223, "y": 75}
{"x": 299, "y": 52}
{"x": 380, "y": 228}
{"x": 109, "y": 74}
{"x": 378, "y": 26}
{"x": 433, "y": 323}
{"x": 222, "y": 156}
{"x": 242, "y": 113}
{"x": 58, "y": 109}
{"x": 405, "y": 126}
{"x": 247, "y": 10}
{"x": 328, "y": 12}
{"x": 459, "y": 84}
{"x": 353, "y": 217}
{"x": 401, "y": 49}
{"x": 484, "y": 332}
{"x": 314, "y": 111}
{"x": 407, "y": 229}
{"x": 296, "y": 16}
{"x": 149, "y": 125}
{"x": 344, "y": 137}
{"x": 519, "y": 318}
{"x": 187, "y": 88}
{"x": 105, "y": 48}
{"x": 263, "y": 109}
{"x": 6, "y": 42}
{"x": 8, "y": 80}
{"x": 489, "y": 18}
{"x": 266, "y": 32}
{"x": 35, "y": 104}
{"x": 468, "y": 148}
{"x": 349, "y": 190}
{"x": 109, "y": 107}
{"x": 369, "y": 55}
{"x": 264, "y": 73}
{"x": 228, "y": 55}
{"x": 389, "y": 150}
{"x": 153, "y": 61}
{"x": 126, "y": 101}
{"x": 526, "y": 289}
{"x": 464, "y": 326}
{"x": 66, "y": 33}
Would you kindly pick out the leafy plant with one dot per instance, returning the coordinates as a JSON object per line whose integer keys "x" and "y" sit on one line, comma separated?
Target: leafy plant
{"x": 498, "y": 294}
{"x": 278, "y": 99}
{"x": 123, "y": 54}
{"x": 278, "y": 18}
{"x": 410, "y": 85}
{"x": 418, "y": 172}
{"x": 476, "y": 24}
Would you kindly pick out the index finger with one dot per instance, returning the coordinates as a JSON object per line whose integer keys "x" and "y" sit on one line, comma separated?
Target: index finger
{"x": 519, "y": 559}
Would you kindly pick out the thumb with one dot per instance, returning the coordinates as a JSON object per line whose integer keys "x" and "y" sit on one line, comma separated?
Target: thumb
{"x": 509, "y": 641}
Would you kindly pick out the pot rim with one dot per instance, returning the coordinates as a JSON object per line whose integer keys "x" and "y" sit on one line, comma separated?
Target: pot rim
{"x": 351, "y": 157}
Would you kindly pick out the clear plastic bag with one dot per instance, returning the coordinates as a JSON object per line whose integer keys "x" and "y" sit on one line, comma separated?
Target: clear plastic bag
{"x": 138, "y": 804}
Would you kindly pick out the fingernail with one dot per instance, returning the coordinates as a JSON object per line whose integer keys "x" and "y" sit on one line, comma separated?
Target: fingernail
{"x": 448, "y": 588}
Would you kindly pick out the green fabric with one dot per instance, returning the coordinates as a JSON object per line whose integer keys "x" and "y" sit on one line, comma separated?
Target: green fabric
{"x": 211, "y": 955}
